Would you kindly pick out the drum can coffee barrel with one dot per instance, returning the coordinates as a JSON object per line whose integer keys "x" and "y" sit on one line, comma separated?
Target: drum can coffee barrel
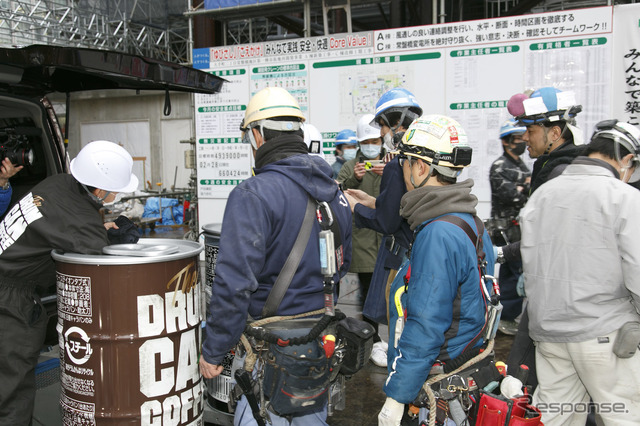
{"x": 129, "y": 334}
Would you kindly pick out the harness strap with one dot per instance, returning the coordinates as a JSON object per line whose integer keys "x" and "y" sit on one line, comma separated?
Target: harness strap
{"x": 290, "y": 267}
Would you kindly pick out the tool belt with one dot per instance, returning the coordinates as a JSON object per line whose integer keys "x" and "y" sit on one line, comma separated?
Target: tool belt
{"x": 294, "y": 369}
{"x": 296, "y": 377}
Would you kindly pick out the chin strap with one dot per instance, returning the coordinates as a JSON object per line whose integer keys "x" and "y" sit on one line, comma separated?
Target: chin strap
{"x": 94, "y": 197}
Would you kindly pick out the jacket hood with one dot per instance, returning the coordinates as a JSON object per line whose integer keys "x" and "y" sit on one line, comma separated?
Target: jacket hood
{"x": 303, "y": 169}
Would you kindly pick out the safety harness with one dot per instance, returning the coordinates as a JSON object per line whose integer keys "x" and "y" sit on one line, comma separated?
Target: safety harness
{"x": 453, "y": 389}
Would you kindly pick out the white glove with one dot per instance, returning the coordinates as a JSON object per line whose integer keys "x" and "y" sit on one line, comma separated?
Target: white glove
{"x": 391, "y": 413}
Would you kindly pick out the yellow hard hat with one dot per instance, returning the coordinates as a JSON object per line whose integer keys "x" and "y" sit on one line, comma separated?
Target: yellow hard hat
{"x": 271, "y": 102}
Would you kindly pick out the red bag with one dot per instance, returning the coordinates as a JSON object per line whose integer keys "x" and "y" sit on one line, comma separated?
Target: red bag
{"x": 496, "y": 410}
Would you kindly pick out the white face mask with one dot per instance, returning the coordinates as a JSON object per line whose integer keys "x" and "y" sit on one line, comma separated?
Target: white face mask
{"x": 349, "y": 154}
{"x": 117, "y": 199}
{"x": 387, "y": 139}
{"x": 370, "y": 151}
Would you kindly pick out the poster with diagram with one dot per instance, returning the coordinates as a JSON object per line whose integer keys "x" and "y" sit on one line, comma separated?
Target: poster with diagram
{"x": 467, "y": 70}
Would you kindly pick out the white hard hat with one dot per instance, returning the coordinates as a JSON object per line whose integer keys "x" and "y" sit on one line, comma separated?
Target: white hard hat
{"x": 313, "y": 139}
{"x": 105, "y": 165}
{"x": 365, "y": 130}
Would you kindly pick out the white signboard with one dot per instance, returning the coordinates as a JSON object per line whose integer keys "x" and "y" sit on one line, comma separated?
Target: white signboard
{"x": 466, "y": 70}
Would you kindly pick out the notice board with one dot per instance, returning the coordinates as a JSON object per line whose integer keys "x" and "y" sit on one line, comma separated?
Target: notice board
{"x": 466, "y": 70}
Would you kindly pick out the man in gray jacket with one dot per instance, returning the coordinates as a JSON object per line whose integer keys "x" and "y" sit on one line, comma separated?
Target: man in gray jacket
{"x": 580, "y": 251}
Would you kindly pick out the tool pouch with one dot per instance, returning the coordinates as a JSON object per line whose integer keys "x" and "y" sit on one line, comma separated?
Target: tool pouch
{"x": 496, "y": 410}
{"x": 358, "y": 338}
{"x": 296, "y": 378}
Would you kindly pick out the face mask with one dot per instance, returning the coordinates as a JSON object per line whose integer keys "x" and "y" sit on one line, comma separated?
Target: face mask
{"x": 370, "y": 151}
{"x": 387, "y": 140}
{"x": 117, "y": 199}
{"x": 519, "y": 148}
{"x": 349, "y": 154}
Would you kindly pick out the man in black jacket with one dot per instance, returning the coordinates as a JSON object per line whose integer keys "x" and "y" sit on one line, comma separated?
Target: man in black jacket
{"x": 61, "y": 212}
{"x": 554, "y": 141}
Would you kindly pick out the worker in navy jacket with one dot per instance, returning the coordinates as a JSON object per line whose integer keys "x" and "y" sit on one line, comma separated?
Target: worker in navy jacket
{"x": 261, "y": 222}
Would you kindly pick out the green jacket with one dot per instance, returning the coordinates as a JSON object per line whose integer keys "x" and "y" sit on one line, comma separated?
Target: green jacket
{"x": 366, "y": 242}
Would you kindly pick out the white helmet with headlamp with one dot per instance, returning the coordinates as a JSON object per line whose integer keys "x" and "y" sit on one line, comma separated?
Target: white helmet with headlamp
{"x": 440, "y": 141}
{"x": 269, "y": 103}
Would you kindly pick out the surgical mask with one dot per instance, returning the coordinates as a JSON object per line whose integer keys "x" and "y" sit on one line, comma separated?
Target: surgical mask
{"x": 519, "y": 148}
{"x": 387, "y": 140}
{"x": 117, "y": 199}
{"x": 349, "y": 154}
{"x": 370, "y": 151}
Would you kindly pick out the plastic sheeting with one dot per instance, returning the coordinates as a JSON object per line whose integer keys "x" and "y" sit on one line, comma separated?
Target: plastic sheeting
{"x": 172, "y": 212}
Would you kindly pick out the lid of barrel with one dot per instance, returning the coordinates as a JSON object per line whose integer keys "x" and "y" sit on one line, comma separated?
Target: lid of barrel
{"x": 212, "y": 228}
{"x": 146, "y": 250}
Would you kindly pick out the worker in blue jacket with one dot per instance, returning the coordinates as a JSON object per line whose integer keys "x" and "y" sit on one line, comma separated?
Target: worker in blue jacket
{"x": 261, "y": 222}
{"x": 437, "y": 301}
{"x": 395, "y": 111}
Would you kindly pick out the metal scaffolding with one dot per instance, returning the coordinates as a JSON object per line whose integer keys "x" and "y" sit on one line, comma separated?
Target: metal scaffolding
{"x": 150, "y": 28}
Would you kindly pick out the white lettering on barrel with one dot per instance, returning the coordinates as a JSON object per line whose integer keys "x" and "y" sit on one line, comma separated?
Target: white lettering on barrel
{"x": 149, "y": 385}
{"x": 151, "y": 414}
{"x": 150, "y": 315}
{"x": 186, "y": 398}
{"x": 179, "y": 310}
{"x": 176, "y": 312}
{"x": 174, "y": 409}
{"x": 187, "y": 360}
{"x": 171, "y": 411}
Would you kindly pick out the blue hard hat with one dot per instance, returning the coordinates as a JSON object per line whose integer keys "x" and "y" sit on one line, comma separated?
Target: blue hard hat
{"x": 545, "y": 104}
{"x": 511, "y": 127}
{"x": 346, "y": 136}
{"x": 397, "y": 100}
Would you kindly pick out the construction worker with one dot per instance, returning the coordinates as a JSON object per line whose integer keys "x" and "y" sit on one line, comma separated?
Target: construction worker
{"x": 582, "y": 278}
{"x": 364, "y": 172}
{"x": 61, "y": 212}
{"x": 346, "y": 147}
{"x": 261, "y": 224}
{"x": 395, "y": 111}
{"x": 438, "y": 301}
{"x": 509, "y": 178}
{"x": 554, "y": 140}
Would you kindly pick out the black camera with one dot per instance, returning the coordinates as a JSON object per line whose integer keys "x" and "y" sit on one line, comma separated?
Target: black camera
{"x": 16, "y": 148}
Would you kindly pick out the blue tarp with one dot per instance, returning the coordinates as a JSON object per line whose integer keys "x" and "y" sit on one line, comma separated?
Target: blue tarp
{"x": 221, "y": 4}
{"x": 172, "y": 213}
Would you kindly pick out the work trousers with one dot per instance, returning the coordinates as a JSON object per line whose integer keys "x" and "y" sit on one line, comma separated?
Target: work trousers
{"x": 244, "y": 417}
{"x": 23, "y": 323}
{"x": 570, "y": 373}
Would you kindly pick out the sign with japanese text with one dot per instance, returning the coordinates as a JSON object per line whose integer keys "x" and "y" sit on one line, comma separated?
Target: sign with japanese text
{"x": 466, "y": 70}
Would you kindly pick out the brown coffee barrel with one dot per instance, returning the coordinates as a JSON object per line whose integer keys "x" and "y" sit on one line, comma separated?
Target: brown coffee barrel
{"x": 129, "y": 334}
